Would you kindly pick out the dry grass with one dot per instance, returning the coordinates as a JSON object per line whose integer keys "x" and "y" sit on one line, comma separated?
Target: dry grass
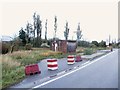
{"x": 49, "y": 53}
{"x": 20, "y": 54}
{"x": 13, "y": 63}
{"x": 80, "y": 49}
{"x": 9, "y": 62}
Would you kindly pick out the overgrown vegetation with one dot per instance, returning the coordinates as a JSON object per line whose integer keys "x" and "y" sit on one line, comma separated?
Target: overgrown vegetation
{"x": 13, "y": 63}
{"x": 89, "y": 51}
{"x": 5, "y": 48}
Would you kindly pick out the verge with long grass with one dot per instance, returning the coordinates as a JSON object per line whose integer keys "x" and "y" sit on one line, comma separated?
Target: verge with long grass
{"x": 13, "y": 64}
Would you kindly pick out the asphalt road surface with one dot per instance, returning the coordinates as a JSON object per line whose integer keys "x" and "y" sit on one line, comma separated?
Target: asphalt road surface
{"x": 99, "y": 73}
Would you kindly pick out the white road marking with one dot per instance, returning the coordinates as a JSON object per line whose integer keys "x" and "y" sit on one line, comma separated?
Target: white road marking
{"x": 75, "y": 67}
{"x": 71, "y": 72}
{"x": 85, "y": 63}
{"x": 61, "y": 73}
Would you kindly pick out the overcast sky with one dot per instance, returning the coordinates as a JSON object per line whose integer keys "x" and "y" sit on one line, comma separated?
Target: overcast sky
{"x": 97, "y": 20}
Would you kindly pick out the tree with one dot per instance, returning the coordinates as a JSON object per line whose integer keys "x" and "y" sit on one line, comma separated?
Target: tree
{"x": 95, "y": 43}
{"x": 39, "y": 30}
{"x": 22, "y": 36}
{"x": 29, "y": 31}
{"x": 102, "y": 44}
{"x": 79, "y": 32}
{"x": 66, "y": 32}
{"x": 46, "y": 31}
{"x": 55, "y": 27}
{"x": 84, "y": 44}
{"x": 34, "y": 27}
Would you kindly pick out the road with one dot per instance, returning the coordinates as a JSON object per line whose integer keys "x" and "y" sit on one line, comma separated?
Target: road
{"x": 99, "y": 73}
{"x": 30, "y": 81}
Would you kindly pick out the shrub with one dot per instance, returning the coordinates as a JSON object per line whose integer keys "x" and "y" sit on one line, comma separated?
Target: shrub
{"x": 5, "y": 47}
{"x": 88, "y": 52}
{"x": 80, "y": 50}
{"x": 102, "y": 44}
{"x": 83, "y": 44}
{"x": 28, "y": 47}
{"x": 93, "y": 46}
{"x": 16, "y": 48}
{"x": 95, "y": 43}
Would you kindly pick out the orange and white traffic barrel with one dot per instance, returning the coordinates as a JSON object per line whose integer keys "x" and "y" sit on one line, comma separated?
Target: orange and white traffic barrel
{"x": 52, "y": 64}
{"x": 70, "y": 59}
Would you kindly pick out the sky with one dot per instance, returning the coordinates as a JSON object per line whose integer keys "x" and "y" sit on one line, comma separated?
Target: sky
{"x": 98, "y": 19}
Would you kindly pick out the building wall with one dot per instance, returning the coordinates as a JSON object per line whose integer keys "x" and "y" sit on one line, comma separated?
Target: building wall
{"x": 62, "y": 44}
{"x": 71, "y": 47}
{"x": 65, "y": 46}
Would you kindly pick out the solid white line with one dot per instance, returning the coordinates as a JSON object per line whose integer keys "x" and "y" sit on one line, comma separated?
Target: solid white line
{"x": 71, "y": 71}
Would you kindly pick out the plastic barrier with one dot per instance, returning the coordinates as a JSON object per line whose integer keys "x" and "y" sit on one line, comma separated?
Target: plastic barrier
{"x": 70, "y": 59}
{"x": 52, "y": 64}
{"x": 32, "y": 69}
{"x": 78, "y": 58}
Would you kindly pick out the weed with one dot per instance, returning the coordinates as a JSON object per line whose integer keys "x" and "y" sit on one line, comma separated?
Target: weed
{"x": 13, "y": 63}
{"x": 88, "y": 51}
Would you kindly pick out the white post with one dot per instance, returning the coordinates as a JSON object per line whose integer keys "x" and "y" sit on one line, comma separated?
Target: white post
{"x": 56, "y": 46}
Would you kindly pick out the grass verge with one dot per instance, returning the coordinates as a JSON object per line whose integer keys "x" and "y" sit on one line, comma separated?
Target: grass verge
{"x": 13, "y": 63}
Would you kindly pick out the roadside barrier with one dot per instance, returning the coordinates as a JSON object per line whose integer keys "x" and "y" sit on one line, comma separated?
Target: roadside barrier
{"x": 32, "y": 69}
{"x": 78, "y": 58}
{"x": 52, "y": 64}
{"x": 70, "y": 59}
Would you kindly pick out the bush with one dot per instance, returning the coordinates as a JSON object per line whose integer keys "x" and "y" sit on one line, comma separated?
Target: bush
{"x": 16, "y": 48}
{"x": 102, "y": 44}
{"x": 83, "y": 44}
{"x": 88, "y": 52}
{"x": 95, "y": 43}
{"x": 28, "y": 47}
{"x": 5, "y": 47}
{"x": 80, "y": 50}
{"x": 93, "y": 46}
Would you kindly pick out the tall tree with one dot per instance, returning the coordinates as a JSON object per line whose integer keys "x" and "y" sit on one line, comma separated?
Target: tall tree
{"x": 55, "y": 27}
{"x": 39, "y": 30}
{"x": 46, "y": 31}
{"x": 34, "y": 27}
{"x": 22, "y": 36}
{"x": 28, "y": 30}
{"x": 79, "y": 32}
{"x": 66, "y": 32}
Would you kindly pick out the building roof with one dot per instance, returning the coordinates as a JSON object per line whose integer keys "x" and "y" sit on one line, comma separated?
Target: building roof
{"x": 6, "y": 38}
{"x": 69, "y": 40}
